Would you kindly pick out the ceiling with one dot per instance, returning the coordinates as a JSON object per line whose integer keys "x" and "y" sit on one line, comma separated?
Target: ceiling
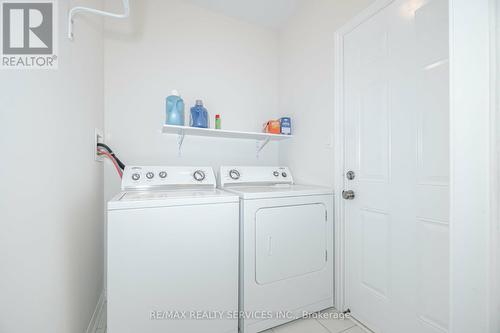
{"x": 269, "y": 13}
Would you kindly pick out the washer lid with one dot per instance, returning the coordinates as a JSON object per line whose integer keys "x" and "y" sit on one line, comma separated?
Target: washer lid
{"x": 174, "y": 197}
{"x": 277, "y": 191}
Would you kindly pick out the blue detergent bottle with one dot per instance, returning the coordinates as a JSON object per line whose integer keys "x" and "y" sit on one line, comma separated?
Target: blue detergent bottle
{"x": 175, "y": 109}
{"x": 199, "y": 115}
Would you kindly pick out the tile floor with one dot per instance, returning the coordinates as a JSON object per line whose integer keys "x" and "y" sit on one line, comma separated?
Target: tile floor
{"x": 307, "y": 325}
{"x": 328, "y": 324}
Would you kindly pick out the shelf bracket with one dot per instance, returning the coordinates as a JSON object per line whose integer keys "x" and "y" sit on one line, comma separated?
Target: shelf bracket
{"x": 180, "y": 141}
{"x": 262, "y": 145}
{"x": 76, "y": 10}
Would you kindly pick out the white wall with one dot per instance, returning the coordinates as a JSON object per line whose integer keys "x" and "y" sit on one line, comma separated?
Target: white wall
{"x": 306, "y": 85}
{"x": 51, "y": 211}
{"x": 497, "y": 239}
{"x": 165, "y": 45}
{"x": 473, "y": 175}
{"x": 263, "y": 12}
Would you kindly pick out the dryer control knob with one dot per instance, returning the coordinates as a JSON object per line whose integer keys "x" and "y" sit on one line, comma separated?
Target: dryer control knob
{"x": 150, "y": 175}
{"x": 136, "y": 176}
{"x": 276, "y": 173}
{"x": 199, "y": 175}
{"x": 234, "y": 174}
{"x": 284, "y": 174}
{"x": 163, "y": 174}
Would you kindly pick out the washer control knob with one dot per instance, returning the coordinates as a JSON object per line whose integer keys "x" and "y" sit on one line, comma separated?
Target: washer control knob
{"x": 234, "y": 174}
{"x": 136, "y": 176}
{"x": 284, "y": 174}
{"x": 150, "y": 175}
{"x": 163, "y": 174}
{"x": 199, "y": 175}
{"x": 276, "y": 173}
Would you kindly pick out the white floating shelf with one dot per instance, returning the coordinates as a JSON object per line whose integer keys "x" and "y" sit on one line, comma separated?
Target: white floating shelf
{"x": 219, "y": 133}
{"x": 181, "y": 131}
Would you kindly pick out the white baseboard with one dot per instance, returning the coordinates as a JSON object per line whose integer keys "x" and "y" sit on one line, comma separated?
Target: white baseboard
{"x": 97, "y": 315}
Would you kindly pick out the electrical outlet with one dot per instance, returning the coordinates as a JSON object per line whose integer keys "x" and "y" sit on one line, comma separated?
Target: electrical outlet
{"x": 99, "y": 138}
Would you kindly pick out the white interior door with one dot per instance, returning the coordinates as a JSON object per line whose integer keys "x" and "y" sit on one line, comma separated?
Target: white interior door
{"x": 396, "y": 122}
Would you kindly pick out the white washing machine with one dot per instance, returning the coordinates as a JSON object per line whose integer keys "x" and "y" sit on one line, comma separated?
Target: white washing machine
{"x": 286, "y": 246}
{"x": 172, "y": 253}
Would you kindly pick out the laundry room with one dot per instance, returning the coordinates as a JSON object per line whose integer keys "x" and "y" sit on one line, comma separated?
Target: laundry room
{"x": 246, "y": 166}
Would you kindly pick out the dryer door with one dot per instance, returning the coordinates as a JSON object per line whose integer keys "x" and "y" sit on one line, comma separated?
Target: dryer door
{"x": 290, "y": 241}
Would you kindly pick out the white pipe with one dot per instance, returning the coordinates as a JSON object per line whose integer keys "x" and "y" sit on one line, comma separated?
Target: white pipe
{"x": 77, "y": 10}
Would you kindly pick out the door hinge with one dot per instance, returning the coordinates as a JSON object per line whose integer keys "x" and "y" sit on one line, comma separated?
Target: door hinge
{"x": 326, "y": 215}
{"x": 326, "y": 255}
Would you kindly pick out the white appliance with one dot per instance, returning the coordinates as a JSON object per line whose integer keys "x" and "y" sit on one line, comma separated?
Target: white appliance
{"x": 286, "y": 246}
{"x": 172, "y": 253}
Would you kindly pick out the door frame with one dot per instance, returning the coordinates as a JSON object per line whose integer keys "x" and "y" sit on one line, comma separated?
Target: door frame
{"x": 474, "y": 184}
{"x": 339, "y": 151}
{"x": 481, "y": 86}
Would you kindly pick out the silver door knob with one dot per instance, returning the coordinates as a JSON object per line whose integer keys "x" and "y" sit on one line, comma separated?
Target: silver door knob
{"x": 348, "y": 195}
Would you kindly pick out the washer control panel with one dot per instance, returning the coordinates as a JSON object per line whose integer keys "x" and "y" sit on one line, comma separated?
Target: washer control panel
{"x": 254, "y": 175}
{"x": 143, "y": 177}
